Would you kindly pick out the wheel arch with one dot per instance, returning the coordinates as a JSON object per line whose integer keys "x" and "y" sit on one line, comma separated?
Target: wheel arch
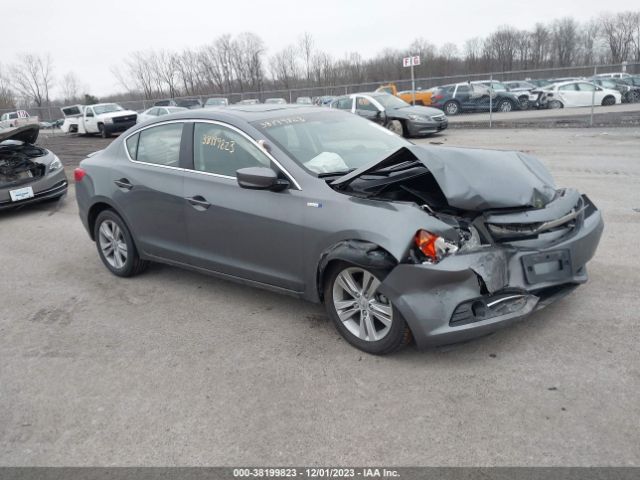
{"x": 362, "y": 253}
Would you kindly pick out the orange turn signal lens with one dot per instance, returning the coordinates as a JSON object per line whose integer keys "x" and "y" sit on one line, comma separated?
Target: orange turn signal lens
{"x": 426, "y": 243}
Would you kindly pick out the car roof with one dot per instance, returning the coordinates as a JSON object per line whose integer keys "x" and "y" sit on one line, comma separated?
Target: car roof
{"x": 248, "y": 113}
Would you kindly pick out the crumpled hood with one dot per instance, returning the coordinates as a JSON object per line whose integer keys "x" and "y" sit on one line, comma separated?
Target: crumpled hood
{"x": 25, "y": 133}
{"x": 477, "y": 179}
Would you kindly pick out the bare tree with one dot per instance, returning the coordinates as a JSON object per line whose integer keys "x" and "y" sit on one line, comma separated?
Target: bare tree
{"x": 618, "y": 31}
{"x": 284, "y": 67}
{"x": 564, "y": 34}
{"x": 32, "y": 78}
{"x": 540, "y": 45}
{"x": 70, "y": 87}
{"x": 7, "y": 96}
{"x": 306, "y": 46}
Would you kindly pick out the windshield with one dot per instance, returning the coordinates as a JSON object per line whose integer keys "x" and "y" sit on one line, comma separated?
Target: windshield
{"x": 389, "y": 101}
{"x": 331, "y": 141}
{"x": 107, "y": 108}
{"x": 217, "y": 101}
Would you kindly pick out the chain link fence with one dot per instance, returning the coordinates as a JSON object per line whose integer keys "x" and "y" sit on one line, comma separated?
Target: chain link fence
{"x": 291, "y": 95}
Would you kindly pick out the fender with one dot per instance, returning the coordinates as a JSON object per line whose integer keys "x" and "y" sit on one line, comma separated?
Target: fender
{"x": 358, "y": 252}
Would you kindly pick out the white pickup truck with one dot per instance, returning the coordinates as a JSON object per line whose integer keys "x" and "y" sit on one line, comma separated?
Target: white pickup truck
{"x": 102, "y": 118}
{"x": 17, "y": 119}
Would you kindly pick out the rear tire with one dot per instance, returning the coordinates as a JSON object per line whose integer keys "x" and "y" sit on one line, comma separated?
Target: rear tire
{"x": 116, "y": 247}
{"x": 452, "y": 107}
{"x": 608, "y": 100}
{"x": 367, "y": 320}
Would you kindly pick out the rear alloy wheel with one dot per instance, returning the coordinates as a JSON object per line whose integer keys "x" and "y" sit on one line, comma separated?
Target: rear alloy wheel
{"x": 634, "y": 96}
{"x": 452, "y": 108}
{"x": 396, "y": 127}
{"x": 505, "y": 106}
{"x": 115, "y": 245}
{"x": 608, "y": 100}
{"x": 363, "y": 316}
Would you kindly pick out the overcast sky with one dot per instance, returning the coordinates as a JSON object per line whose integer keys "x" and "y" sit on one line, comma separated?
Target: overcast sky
{"x": 88, "y": 37}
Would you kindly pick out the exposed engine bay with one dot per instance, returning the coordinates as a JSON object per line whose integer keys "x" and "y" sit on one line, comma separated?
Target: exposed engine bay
{"x": 17, "y": 165}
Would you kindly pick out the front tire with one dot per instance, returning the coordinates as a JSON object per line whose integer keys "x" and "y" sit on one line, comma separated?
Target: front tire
{"x": 608, "y": 100}
{"x": 505, "y": 106}
{"x": 555, "y": 104}
{"x": 103, "y": 131}
{"x": 365, "y": 318}
{"x": 115, "y": 245}
{"x": 524, "y": 102}
{"x": 396, "y": 127}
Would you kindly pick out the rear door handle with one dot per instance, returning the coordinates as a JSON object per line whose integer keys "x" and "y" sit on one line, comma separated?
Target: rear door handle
{"x": 123, "y": 183}
{"x": 198, "y": 201}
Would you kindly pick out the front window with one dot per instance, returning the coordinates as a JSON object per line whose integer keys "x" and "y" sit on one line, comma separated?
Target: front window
{"x": 389, "y": 101}
{"x": 221, "y": 150}
{"x": 107, "y": 108}
{"x": 331, "y": 141}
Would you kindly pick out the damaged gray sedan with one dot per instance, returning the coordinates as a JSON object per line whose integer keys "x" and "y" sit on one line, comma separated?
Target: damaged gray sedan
{"x": 28, "y": 173}
{"x": 399, "y": 241}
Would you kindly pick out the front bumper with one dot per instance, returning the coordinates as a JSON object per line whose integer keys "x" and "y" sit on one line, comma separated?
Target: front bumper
{"x": 417, "y": 129}
{"x": 471, "y": 294}
{"x": 48, "y": 187}
{"x": 118, "y": 127}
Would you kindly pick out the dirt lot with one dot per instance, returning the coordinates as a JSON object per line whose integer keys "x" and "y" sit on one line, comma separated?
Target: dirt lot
{"x": 177, "y": 368}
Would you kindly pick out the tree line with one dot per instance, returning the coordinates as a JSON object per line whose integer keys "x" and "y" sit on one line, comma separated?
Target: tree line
{"x": 242, "y": 63}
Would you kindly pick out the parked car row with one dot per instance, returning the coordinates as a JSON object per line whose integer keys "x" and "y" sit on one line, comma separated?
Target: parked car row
{"x": 485, "y": 95}
{"x": 215, "y": 102}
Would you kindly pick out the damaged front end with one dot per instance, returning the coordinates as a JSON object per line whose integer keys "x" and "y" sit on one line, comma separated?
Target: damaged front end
{"x": 28, "y": 173}
{"x": 519, "y": 244}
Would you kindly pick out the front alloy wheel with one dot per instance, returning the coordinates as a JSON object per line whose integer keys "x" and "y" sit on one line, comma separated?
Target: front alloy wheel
{"x": 395, "y": 126}
{"x": 362, "y": 315}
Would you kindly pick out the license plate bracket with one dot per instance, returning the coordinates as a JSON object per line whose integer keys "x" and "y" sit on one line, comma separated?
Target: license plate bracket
{"x": 21, "y": 194}
{"x": 547, "y": 266}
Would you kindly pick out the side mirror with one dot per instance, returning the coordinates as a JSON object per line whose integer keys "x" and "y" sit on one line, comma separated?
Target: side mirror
{"x": 260, "y": 178}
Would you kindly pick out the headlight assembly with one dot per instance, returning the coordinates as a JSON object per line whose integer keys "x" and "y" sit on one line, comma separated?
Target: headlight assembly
{"x": 108, "y": 120}
{"x": 417, "y": 118}
{"x": 433, "y": 247}
{"x": 56, "y": 164}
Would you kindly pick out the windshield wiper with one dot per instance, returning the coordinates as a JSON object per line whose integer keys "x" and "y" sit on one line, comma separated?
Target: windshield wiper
{"x": 333, "y": 174}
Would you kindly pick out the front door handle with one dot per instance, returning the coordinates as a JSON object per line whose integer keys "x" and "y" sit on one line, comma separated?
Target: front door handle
{"x": 123, "y": 183}
{"x": 199, "y": 202}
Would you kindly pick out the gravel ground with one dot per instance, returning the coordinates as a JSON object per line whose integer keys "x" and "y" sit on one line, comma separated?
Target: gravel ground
{"x": 177, "y": 368}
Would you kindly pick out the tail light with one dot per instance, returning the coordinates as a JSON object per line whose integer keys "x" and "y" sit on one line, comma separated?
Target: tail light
{"x": 438, "y": 97}
{"x": 78, "y": 174}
